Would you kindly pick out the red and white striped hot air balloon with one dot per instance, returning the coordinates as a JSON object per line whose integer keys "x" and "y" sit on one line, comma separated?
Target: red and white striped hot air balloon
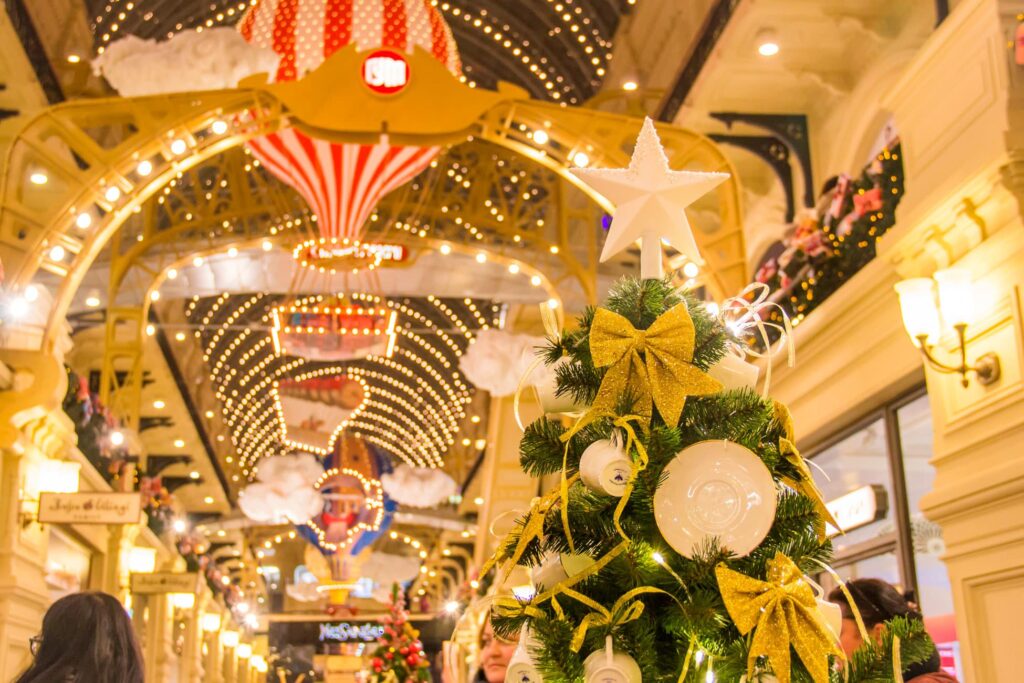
{"x": 343, "y": 182}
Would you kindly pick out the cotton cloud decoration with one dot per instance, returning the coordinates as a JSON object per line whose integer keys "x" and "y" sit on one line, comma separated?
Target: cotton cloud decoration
{"x": 283, "y": 492}
{"x": 212, "y": 60}
{"x": 418, "y": 486}
{"x": 497, "y": 360}
{"x": 386, "y": 569}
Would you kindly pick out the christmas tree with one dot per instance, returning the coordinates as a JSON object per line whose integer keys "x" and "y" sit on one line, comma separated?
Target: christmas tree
{"x": 679, "y": 543}
{"x": 399, "y": 655}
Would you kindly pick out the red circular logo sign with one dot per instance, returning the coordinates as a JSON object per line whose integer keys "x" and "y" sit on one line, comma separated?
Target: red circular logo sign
{"x": 385, "y": 72}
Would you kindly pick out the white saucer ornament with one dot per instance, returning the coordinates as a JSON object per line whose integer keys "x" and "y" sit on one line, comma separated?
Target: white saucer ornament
{"x": 610, "y": 666}
{"x": 521, "y": 668}
{"x": 605, "y": 467}
{"x": 715, "y": 489}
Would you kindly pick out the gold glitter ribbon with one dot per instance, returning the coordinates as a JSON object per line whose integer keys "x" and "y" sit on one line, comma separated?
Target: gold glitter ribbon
{"x": 805, "y": 485}
{"x": 897, "y": 660}
{"x": 781, "y": 611}
{"x": 686, "y": 662}
{"x": 533, "y": 527}
{"x": 655, "y": 364}
{"x": 639, "y": 463}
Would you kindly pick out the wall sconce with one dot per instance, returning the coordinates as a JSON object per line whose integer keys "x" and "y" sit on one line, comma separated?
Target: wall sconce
{"x": 46, "y": 476}
{"x": 229, "y": 638}
{"x": 142, "y": 560}
{"x": 183, "y": 600}
{"x": 210, "y": 622}
{"x": 244, "y": 650}
{"x": 923, "y": 319}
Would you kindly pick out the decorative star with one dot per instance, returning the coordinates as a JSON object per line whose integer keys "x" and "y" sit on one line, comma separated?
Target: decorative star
{"x": 650, "y": 201}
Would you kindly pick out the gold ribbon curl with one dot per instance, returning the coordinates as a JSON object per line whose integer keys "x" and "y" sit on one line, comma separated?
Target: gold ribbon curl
{"x": 533, "y": 528}
{"x": 655, "y": 364}
{"x": 805, "y": 485}
{"x": 626, "y": 609}
{"x": 781, "y": 611}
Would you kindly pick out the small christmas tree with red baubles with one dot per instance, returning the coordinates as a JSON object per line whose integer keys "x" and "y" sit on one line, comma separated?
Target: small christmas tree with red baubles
{"x": 399, "y": 655}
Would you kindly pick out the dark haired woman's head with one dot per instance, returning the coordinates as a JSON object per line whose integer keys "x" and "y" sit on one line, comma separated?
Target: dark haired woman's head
{"x": 86, "y": 638}
{"x": 877, "y": 602}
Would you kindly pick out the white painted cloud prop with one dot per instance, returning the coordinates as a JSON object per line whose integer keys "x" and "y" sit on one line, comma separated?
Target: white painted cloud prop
{"x": 283, "y": 492}
{"x": 212, "y": 60}
{"x": 418, "y": 487}
{"x": 304, "y": 588}
{"x": 386, "y": 569}
{"x": 497, "y": 360}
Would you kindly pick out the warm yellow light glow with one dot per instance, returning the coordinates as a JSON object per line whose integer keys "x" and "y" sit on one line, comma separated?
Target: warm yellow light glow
{"x": 955, "y": 299}
{"x": 51, "y": 476}
{"x": 258, "y": 663}
{"x": 229, "y": 638}
{"x": 580, "y": 159}
{"x": 183, "y": 600}
{"x": 917, "y": 304}
{"x": 629, "y": 86}
{"x": 142, "y": 560}
{"x": 38, "y": 178}
{"x": 210, "y": 622}
{"x": 691, "y": 269}
{"x": 540, "y": 137}
{"x": 244, "y": 650}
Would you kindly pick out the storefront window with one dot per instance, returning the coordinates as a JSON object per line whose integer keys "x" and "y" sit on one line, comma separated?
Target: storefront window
{"x": 934, "y": 594}
{"x": 890, "y": 538}
{"x": 858, "y": 461}
{"x": 67, "y": 565}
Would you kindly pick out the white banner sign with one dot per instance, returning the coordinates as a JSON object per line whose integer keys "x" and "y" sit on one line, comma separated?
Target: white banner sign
{"x": 164, "y": 582}
{"x": 858, "y": 508}
{"x": 90, "y": 508}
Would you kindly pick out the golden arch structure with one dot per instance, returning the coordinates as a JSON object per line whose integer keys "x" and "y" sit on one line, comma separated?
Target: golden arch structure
{"x": 91, "y": 152}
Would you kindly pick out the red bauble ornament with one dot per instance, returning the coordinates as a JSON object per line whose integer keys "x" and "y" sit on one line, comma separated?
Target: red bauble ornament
{"x": 389, "y": 656}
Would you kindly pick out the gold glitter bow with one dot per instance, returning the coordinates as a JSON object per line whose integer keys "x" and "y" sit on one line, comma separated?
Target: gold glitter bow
{"x": 783, "y": 612}
{"x": 655, "y": 364}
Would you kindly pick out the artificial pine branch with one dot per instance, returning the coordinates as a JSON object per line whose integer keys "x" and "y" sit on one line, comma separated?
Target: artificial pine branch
{"x": 872, "y": 662}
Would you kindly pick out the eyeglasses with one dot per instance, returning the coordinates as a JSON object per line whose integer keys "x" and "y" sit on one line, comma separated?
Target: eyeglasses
{"x": 34, "y": 643}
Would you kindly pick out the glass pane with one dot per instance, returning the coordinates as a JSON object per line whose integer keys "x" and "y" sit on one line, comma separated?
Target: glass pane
{"x": 856, "y": 462}
{"x": 935, "y": 596}
{"x": 67, "y": 565}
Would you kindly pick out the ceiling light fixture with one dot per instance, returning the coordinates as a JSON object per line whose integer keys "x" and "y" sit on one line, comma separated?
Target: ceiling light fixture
{"x": 767, "y": 43}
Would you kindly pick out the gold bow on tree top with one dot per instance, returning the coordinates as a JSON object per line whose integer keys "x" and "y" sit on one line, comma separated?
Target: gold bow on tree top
{"x": 783, "y": 612}
{"x": 653, "y": 364}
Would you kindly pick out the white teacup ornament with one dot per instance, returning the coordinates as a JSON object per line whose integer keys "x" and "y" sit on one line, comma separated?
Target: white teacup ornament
{"x": 829, "y": 613}
{"x": 610, "y": 666}
{"x": 605, "y": 467}
{"x": 521, "y": 668}
{"x": 544, "y": 381}
{"x": 735, "y": 373}
{"x": 556, "y": 567}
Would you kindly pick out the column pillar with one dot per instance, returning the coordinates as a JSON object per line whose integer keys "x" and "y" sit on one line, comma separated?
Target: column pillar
{"x": 23, "y": 595}
{"x": 962, "y": 156}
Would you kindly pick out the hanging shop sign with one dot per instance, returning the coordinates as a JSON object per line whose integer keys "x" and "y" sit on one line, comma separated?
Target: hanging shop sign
{"x": 345, "y": 632}
{"x": 858, "y": 508}
{"x": 90, "y": 508}
{"x": 386, "y": 72}
{"x": 343, "y": 255}
{"x": 333, "y": 333}
{"x": 165, "y": 582}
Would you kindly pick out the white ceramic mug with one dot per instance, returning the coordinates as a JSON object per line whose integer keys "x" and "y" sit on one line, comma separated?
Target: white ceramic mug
{"x": 555, "y": 568}
{"x": 545, "y": 384}
{"x": 829, "y": 613}
{"x": 605, "y": 467}
{"x": 521, "y": 668}
{"x": 608, "y": 666}
{"x": 735, "y": 373}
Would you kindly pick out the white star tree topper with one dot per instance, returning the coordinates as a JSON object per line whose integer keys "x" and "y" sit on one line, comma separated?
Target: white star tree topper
{"x": 650, "y": 201}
